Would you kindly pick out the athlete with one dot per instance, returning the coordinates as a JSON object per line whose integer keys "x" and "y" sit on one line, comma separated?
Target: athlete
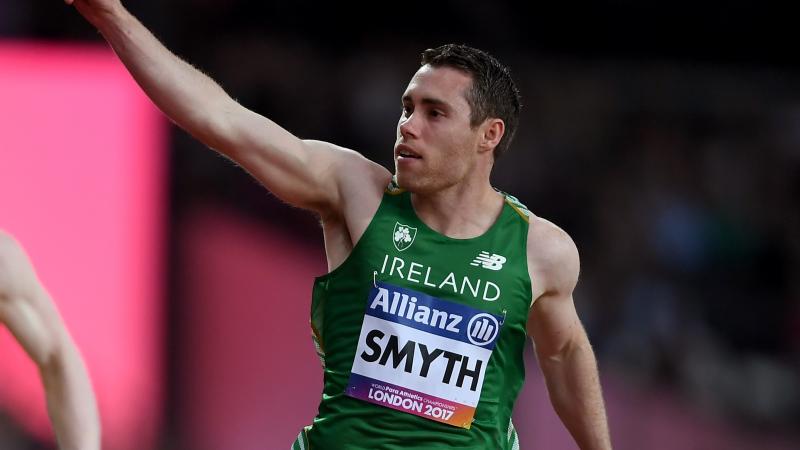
{"x": 435, "y": 278}
{"x": 29, "y": 313}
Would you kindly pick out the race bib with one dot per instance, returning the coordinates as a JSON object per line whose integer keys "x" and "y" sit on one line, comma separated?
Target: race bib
{"x": 422, "y": 355}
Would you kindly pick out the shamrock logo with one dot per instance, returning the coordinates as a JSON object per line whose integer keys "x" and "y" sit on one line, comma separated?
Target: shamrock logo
{"x": 403, "y": 236}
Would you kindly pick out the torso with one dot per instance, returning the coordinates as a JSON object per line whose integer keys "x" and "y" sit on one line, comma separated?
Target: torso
{"x": 340, "y": 299}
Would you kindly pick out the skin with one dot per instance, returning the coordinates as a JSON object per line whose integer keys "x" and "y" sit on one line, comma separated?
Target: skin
{"x": 453, "y": 168}
{"x": 33, "y": 319}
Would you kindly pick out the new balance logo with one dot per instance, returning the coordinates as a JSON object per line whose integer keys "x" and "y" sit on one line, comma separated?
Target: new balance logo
{"x": 487, "y": 261}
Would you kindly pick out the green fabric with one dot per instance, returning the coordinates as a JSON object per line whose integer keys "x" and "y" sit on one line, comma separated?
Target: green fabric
{"x": 301, "y": 443}
{"x": 341, "y": 297}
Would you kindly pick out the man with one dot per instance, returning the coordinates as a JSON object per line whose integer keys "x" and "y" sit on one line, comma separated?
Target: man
{"x": 29, "y": 313}
{"x": 434, "y": 282}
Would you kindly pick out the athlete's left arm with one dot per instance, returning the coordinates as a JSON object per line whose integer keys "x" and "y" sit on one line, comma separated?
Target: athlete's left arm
{"x": 562, "y": 347}
{"x": 30, "y": 314}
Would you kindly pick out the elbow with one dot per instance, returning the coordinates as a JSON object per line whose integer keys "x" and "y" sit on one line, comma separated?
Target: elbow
{"x": 51, "y": 347}
{"x": 51, "y": 358}
{"x": 558, "y": 355}
{"x": 578, "y": 344}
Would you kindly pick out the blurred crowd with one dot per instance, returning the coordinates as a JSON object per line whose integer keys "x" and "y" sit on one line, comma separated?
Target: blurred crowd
{"x": 679, "y": 183}
{"x": 679, "y": 179}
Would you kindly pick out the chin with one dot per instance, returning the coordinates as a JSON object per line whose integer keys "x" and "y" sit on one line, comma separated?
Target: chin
{"x": 417, "y": 184}
{"x": 405, "y": 181}
{"x": 409, "y": 182}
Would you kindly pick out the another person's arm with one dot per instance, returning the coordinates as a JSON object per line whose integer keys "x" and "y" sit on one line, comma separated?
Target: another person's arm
{"x": 29, "y": 313}
{"x": 308, "y": 174}
{"x": 562, "y": 347}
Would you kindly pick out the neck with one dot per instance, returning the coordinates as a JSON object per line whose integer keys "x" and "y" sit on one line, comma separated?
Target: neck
{"x": 462, "y": 211}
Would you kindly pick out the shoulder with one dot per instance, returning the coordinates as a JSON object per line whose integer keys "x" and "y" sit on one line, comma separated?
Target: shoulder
{"x": 553, "y": 259}
{"x": 360, "y": 181}
{"x": 348, "y": 158}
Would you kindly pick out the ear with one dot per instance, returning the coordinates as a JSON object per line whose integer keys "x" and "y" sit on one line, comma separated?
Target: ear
{"x": 492, "y": 131}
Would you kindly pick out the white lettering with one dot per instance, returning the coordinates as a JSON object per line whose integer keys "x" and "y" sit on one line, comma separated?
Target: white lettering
{"x": 403, "y": 303}
{"x": 382, "y": 300}
{"x": 385, "y": 259}
{"x": 395, "y": 400}
{"x": 440, "y": 316}
{"x": 412, "y": 272}
{"x": 454, "y": 320}
{"x": 393, "y": 309}
{"x": 471, "y": 289}
{"x": 422, "y": 315}
{"x": 395, "y": 261}
{"x": 486, "y": 292}
{"x": 451, "y": 280}
{"x": 412, "y": 305}
{"x": 427, "y": 275}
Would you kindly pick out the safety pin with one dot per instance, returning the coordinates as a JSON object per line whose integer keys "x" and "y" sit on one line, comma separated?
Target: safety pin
{"x": 374, "y": 278}
{"x": 504, "y": 318}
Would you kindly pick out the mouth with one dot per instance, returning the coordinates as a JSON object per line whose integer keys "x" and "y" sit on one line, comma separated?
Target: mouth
{"x": 406, "y": 152}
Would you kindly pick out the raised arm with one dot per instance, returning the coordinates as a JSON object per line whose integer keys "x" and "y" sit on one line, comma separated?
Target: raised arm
{"x": 28, "y": 312}
{"x": 304, "y": 173}
{"x": 562, "y": 347}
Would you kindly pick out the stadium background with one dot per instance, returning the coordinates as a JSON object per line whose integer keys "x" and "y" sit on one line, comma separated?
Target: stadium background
{"x": 664, "y": 137}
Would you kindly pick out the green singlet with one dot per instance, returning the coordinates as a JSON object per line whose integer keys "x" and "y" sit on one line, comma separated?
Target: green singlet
{"x": 421, "y": 336}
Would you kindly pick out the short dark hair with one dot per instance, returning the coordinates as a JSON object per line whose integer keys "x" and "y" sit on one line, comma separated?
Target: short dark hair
{"x": 493, "y": 92}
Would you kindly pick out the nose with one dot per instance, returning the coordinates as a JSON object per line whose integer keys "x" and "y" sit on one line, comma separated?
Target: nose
{"x": 408, "y": 126}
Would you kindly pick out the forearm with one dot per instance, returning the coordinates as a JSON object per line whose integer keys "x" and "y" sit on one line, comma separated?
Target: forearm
{"x": 71, "y": 402}
{"x": 574, "y": 387}
{"x": 285, "y": 165}
{"x": 187, "y": 96}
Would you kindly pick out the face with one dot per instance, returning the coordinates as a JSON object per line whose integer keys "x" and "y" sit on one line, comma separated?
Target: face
{"x": 436, "y": 147}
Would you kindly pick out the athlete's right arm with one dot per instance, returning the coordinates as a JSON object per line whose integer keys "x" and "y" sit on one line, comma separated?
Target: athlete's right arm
{"x": 305, "y": 174}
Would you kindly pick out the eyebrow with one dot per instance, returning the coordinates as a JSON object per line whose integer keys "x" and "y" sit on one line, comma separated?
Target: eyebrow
{"x": 430, "y": 101}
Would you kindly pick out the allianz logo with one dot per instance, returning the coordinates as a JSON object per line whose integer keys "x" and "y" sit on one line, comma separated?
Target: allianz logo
{"x": 403, "y": 305}
{"x": 482, "y": 329}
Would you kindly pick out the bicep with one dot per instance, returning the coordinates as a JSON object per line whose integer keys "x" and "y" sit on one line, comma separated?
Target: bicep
{"x": 300, "y": 172}
{"x": 553, "y": 324}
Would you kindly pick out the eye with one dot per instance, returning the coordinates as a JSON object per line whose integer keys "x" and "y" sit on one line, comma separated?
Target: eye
{"x": 436, "y": 113}
{"x": 407, "y": 111}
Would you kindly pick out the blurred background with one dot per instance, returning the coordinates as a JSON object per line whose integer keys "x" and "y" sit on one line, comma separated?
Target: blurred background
{"x": 663, "y": 136}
